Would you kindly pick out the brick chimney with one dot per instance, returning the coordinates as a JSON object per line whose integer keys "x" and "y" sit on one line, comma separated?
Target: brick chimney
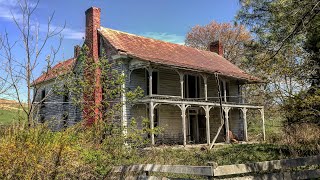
{"x": 92, "y": 25}
{"x": 216, "y": 47}
{"x": 91, "y": 112}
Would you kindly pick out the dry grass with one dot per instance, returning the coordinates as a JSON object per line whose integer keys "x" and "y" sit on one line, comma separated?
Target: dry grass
{"x": 302, "y": 139}
{"x": 6, "y": 104}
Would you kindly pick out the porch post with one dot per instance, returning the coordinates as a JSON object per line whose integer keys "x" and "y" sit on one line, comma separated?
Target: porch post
{"x": 226, "y": 112}
{"x": 205, "y": 80}
{"x": 183, "y": 108}
{"x": 150, "y": 81}
{"x": 245, "y": 126}
{"x": 224, "y": 90}
{"x": 151, "y": 116}
{"x": 263, "y": 126}
{"x": 208, "y": 123}
{"x": 181, "y": 75}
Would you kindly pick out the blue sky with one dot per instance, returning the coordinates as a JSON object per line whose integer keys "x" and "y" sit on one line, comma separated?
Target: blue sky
{"x": 167, "y": 20}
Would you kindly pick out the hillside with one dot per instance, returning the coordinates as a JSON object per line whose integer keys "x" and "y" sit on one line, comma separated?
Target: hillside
{"x": 9, "y": 112}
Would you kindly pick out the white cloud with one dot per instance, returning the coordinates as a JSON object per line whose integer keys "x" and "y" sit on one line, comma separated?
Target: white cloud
{"x": 173, "y": 38}
{"x": 11, "y": 8}
{"x": 72, "y": 34}
{"x": 67, "y": 33}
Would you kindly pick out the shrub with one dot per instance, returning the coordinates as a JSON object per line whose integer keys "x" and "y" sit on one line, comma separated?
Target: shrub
{"x": 302, "y": 139}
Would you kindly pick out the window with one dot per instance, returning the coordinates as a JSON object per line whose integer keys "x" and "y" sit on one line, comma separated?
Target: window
{"x": 41, "y": 120}
{"x": 227, "y": 91}
{"x": 223, "y": 91}
{"x": 65, "y": 94}
{"x": 192, "y": 86}
{"x": 155, "y": 78}
{"x": 156, "y": 118}
{"x": 43, "y": 95}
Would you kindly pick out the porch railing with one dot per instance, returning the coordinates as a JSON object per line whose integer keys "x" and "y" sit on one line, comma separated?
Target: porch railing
{"x": 230, "y": 99}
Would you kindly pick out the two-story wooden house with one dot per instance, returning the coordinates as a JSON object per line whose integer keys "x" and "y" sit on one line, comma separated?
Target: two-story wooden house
{"x": 180, "y": 85}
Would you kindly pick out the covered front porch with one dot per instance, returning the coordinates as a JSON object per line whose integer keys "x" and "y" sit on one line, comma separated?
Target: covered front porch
{"x": 196, "y": 97}
{"x": 200, "y": 121}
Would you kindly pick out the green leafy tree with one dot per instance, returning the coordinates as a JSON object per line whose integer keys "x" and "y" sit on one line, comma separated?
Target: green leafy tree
{"x": 78, "y": 85}
{"x": 305, "y": 107}
{"x": 277, "y": 54}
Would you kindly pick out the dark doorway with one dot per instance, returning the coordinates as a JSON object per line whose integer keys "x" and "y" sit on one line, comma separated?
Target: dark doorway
{"x": 202, "y": 129}
{"x": 197, "y": 126}
{"x": 193, "y": 128}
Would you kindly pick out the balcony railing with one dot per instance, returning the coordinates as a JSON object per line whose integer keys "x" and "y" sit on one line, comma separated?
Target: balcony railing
{"x": 230, "y": 99}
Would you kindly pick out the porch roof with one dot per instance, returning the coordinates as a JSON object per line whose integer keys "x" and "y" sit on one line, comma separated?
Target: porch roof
{"x": 166, "y": 53}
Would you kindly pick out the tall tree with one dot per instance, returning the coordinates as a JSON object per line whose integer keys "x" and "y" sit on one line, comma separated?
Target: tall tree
{"x": 285, "y": 53}
{"x": 21, "y": 69}
{"x": 305, "y": 106}
{"x": 232, "y": 37}
{"x": 277, "y": 54}
{"x": 312, "y": 46}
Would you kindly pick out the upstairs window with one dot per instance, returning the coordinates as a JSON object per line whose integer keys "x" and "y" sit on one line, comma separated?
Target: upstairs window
{"x": 155, "y": 83}
{"x": 191, "y": 86}
{"x": 224, "y": 93}
{"x": 43, "y": 95}
{"x": 66, "y": 95}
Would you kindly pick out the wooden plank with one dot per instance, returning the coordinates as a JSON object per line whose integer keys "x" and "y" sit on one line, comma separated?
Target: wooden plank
{"x": 176, "y": 169}
{"x": 266, "y": 166}
{"x": 305, "y": 174}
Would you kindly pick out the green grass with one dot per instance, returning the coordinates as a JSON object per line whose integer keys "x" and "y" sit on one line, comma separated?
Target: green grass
{"x": 230, "y": 154}
{"x": 225, "y": 155}
{"x": 10, "y": 116}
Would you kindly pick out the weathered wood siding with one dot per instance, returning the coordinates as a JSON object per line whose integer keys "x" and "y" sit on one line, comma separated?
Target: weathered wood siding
{"x": 53, "y": 108}
{"x": 138, "y": 113}
{"x": 171, "y": 123}
{"x": 169, "y": 82}
{"x": 212, "y": 87}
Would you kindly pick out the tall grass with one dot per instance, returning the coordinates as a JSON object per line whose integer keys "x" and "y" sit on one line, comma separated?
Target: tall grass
{"x": 77, "y": 152}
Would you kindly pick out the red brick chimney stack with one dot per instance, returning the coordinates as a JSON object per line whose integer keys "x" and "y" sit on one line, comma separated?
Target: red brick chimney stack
{"x": 93, "y": 101}
{"x": 216, "y": 47}
{"x": 92, "y": 25}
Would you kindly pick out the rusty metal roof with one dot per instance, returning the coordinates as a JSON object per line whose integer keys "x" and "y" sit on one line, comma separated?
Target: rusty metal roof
{"x": 59, "y": 69}
{"x": 166, "y": 53}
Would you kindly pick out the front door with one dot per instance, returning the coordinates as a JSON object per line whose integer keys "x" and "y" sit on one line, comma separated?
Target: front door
{"x": 197, "y": 126}
{"x": 193, "y": 126}
{"x": 202, "y": 128}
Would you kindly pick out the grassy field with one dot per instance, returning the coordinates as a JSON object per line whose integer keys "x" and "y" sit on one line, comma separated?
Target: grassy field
{"x": 9, "y": 112}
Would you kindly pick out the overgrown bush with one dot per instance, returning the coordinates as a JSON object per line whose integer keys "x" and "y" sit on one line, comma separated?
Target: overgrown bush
{"x": 302, "y": 139}
{"x": 303, "y": 108}
{"x": 76, "y": 152}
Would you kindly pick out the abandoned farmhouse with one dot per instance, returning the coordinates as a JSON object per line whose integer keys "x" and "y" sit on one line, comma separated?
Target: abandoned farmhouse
{"x": 180, "y": 87}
